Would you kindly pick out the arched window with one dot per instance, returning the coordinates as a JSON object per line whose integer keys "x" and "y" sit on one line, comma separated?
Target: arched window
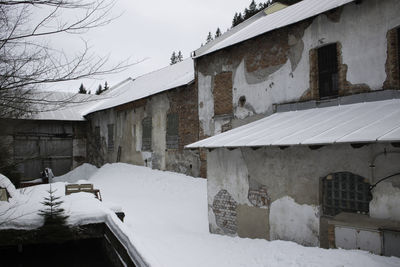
{"x": 345, "y": 192}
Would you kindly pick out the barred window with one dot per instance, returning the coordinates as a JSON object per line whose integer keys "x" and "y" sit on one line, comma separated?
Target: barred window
{"x": 345, "y": 192}
{"x": 172, "y": 131}
{"x": 328, "y": 71}
{"x": 146, "y": 134}
{"x": 110, "y": 143}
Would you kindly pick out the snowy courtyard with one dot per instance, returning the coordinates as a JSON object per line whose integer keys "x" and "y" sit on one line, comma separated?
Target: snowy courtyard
{"x": 166, "y": 219}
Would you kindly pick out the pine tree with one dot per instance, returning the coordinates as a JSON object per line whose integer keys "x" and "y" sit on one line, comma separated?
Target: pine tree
{"x": 218, "y": 33}
{"x": 99, "y": 90}
{"x": 82, "y": 89}
{"x": 209, "y": 38}
{"x": 173, "y": 58}
{"x": 105, "y": 86}
{"x": 53, "y": 214}
{"x": 179, "y": 57}
{"x": 235, "y": 20}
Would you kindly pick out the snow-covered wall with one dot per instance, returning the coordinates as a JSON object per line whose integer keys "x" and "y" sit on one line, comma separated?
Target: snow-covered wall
{"x": 275, "y": 67}
{"x": 285, "y": 183}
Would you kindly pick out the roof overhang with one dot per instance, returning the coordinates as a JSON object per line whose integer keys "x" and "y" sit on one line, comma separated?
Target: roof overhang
{"x": 367, "y": 122}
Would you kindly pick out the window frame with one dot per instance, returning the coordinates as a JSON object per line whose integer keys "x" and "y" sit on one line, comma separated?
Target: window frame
{"x": 172, "y": 131}
{"x": 147, "y": 129}
{"x": 328, "y": 71}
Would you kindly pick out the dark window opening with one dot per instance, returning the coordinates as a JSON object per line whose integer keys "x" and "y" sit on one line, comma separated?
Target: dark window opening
{"x": 110, "y": 139}
{"x": 146, "y": 134}
{"x": 345, "y": 192}
{"x": 172, "y": 131}
{"x": 328, "y": 71}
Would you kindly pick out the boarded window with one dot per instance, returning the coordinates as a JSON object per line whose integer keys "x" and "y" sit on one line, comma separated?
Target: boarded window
{"x": 97, "y": 137}
{"x": 223, "y": 93}
{"x": 328, "y": 71}
{"x": 345, "y": 192}
{"x": 110, "y": 143}
{"x": 146, "y": 135}
{"x": 172, "y": 131}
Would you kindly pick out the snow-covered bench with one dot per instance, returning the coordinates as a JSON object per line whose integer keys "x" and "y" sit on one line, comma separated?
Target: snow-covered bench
{"x": 75, "y": 188}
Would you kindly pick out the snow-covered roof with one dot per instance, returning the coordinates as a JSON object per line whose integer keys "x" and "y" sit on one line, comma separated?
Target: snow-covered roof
{"x": 170, "y": 77}
{"x": 56, "y": 105}
{"x": 377, "y": 121}
{"x": 262, "y": 23}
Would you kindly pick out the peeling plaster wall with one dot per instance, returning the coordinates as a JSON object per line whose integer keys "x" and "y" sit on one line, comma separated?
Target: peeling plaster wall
{"x": 275, "y": 67}
{"x": 128, "y": 130}
{"x": 288, "y": 181}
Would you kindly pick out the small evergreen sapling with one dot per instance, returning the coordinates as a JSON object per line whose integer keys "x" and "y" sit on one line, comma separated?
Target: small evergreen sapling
{"x": 55, "y": 227}
{"x": 53, "y": 214}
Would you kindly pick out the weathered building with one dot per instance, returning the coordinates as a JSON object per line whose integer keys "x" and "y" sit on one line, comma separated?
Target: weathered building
{"x": 329, "y": 70}
{"x": 52, "y": 136}
{"x": 148, "y": 121}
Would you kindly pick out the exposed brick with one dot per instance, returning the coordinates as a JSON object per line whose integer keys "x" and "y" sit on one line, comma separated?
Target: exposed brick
{"x": 392, "y": 61}
{"x": 224, "y": 208}
{"x": 223, "y": 93}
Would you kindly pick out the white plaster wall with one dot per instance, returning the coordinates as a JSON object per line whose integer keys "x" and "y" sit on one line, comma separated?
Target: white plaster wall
{"x": 228, "y": 171}
{"x": 386, "y": 202}
{"x": 206, "y": 104}
{"x": 292, "y": 179}
{"x": 362, "y": 32}
{"x": 291, "y": 221}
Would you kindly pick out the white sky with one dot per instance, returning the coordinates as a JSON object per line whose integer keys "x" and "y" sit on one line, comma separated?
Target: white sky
{"x": 152, "y": 30}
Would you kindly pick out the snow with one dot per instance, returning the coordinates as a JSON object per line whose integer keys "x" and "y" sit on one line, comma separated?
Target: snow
{"x": 385, "y": 203}
{"x": 179, "y": 74}
{"x": 289, "y": 220}
{"x": 166, "y": 223}
{"x": 361, "y": 122}
{"x": 82, "y": 172}
{"x": 263, "y": 23}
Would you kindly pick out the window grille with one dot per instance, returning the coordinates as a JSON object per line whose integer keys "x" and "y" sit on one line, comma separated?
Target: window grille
{"x": 146, "y": 134}
{"x": 328, "y": 71}
{"x": 172, "y": 131}
{"x": 345, "y": 192}
{"x": 110, "y": 142}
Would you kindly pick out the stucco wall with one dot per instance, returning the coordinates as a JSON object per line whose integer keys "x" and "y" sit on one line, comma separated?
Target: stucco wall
{"x": 275, "y": 67}
{"x": 286, "y": 182}
{"x": 127, "y": 120}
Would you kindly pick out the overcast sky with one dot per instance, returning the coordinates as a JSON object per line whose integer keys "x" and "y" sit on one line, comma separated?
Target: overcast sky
{"x": 153, "y": 30}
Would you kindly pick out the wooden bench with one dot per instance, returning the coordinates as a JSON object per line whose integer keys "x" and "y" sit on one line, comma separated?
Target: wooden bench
{"x": 76, "y": 188}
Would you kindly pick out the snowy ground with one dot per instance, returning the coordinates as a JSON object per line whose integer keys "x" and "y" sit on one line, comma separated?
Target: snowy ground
{"x": 166, "y": 217}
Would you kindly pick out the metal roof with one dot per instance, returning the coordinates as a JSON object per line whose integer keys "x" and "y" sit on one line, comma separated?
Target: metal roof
{"x": 167, "y": 78}
{"x": 262, "y": 23}
{"x": 356, "y": 123}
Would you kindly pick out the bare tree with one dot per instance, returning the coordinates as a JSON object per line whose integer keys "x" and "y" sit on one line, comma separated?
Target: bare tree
{"x": 27, "y": 61}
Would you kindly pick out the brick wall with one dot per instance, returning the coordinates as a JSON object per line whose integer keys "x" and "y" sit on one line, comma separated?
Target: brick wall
{"x": 392, "y": 61}
{"x": 223, "y": 93}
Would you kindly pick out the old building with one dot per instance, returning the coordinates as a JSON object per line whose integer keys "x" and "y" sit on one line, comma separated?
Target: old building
{"x": 148, "y": 121}
{"x": 52, "y": 135}
{"x": 328, "y": 71}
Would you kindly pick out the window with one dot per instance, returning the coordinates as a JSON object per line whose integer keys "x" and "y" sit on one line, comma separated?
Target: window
{"x": 110, "y": 140}
{"x": 223, "y": 93}
{"x": 328, "y": 71}
{"x": 345, "y": 192}
{"x": 172, "y": 131}
{"x": 146, "y": 134}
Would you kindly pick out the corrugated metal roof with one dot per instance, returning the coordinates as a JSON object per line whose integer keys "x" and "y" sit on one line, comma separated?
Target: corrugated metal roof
{"x": 356, "y": 123}
{"x": 170, "y": 77}
{"x": 262, "y": 23}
